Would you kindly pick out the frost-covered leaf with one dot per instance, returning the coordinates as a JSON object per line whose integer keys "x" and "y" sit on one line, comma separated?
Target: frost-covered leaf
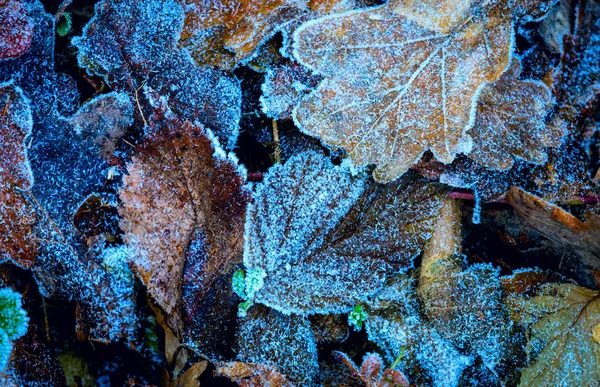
{"x": 17, "y": 219}
{"x": 402, "y": 78}
{"x": 563, "y": 230}
{"x": 252, "y": 375}
{"x": 183, "y": 200}
{"x": 286, "y": 343}
{"x": 370, "y": 372}
{"x": 224, "y": 32}
{"x": 283, "y": 88}
{"x": 560, "y": 321}
{"x": 132, "y": 44}
{"x": 510, "y": 122}
{"x": 464, "y": 306}
{"x": 322, "y": 245}
{"x": 16, "y": 28}
{"x": 395, "y": 325}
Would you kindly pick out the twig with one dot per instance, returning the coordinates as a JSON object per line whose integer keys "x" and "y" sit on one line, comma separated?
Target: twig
{"x": 61, "y": 9}
{"x": 277, "y": 154}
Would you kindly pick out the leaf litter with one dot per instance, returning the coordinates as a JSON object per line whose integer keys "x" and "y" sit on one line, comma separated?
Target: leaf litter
{"x": 354, "y": 256}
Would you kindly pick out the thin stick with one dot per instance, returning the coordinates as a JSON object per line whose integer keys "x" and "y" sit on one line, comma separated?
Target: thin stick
{"x": 277, "y": 153}
{"x": 61, "y": 9}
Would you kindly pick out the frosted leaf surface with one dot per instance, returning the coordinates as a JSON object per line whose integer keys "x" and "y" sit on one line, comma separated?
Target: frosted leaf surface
{"x": 323, "y": 246}
{"x": 183, "y": 195}
{"x": 464, "y": 306}
{"x": 370, "y": 372}
{"x": 16, "y": 29}
{"x": 287, "y": 343}
{"x": 105, "y": 118}
{"x": 132, "y": 43}
{"x": 17, "y": 219}
{"x": 563, "y": 230}
{"x": 429, "y": 359}
{"x": 560, "y": 321}
{"x": 510, "y": 122}
{"x": 128, "y": 34}
{"x": 225, "y": 32}
{"x": 394, "y": 88}
{"x": 283, "y": 88}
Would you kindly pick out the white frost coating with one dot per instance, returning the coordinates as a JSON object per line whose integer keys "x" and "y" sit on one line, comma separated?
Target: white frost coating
{"x": 294, "y": 210}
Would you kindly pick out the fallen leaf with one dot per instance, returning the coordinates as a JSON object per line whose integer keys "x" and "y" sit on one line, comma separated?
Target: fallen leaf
{"x": 16, "y": 29}
{"x": 510, "y": 122}
{"x": 189, "y": 378}
{"x": 252, "y": 375}
{"x": 563, "y": 230}
{"x": 464, "y": 306}
{"x": 286, "y": 343}
{"x": 180, "y": 172}
{"x": 370, "y": 372}
{"x": 322, "y": 246}
{"x": 560, "y": 321}
{"x": 402, "y": 79}
{"x": 132, "y": 44}
{"x": 17, "y": 243}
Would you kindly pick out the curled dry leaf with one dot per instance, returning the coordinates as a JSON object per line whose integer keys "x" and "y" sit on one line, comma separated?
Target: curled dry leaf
{"x": 252, "y": 375}
{"x": 286, "y": 343}
{"x": 322, "y": 245}
{"x": 402, "y": 79}
{"x": 560, "y": 319}
{"x": 17, "y": 219}
{"x": 183, "y": 199}
{"x": 510, "y": 122}
{"x": 563, "y": 230}
{"x": 16, "y": 29}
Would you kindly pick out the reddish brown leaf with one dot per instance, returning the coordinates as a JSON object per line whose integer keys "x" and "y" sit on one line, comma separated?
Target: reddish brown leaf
{"x": 252, "y": 375}
{"x": 16, "y": 217}
{"x": 183, "y": 199}
{"x": 16, "y": 29}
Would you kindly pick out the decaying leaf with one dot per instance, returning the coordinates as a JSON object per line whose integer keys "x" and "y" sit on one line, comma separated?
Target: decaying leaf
{"x": 402, "y": 78}
{"x": 560, "y": 321}
{"x": 189, "y": 378}
{"x": 17, "y": 219}
{"x": 16, "y": 29}
{"x": 510, "y": 122}
{"x": 183, "y": 199}
{"x": 252, "y": 375}
{"x": 286, "y": 343}
{"x": 322, "y": 246}
{"x": 464, "y": 306}
{"x": 563, "y": 230}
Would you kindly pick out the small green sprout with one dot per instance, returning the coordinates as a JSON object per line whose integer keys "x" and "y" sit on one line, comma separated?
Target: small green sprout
{"x": 13, "y": 322}
{"x": 65, "y": 25}
{"x": 356, "y": 317}
{"x": 246, "y": 285}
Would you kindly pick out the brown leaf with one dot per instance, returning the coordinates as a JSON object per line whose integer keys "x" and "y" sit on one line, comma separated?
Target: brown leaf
{"x": 16, "y": 29}
{"x": 183, "y": 197}
{"x": 562, "y": 229}
{"x": 17, "y": 219}
{"x": 224, "y": 32}
{"x": 370, "y": 372}
{"x": 510, "y": 122}
{"x": 402, "y": 79}
{"x": 252, "y": 375}
{"x": 190, "y": 378}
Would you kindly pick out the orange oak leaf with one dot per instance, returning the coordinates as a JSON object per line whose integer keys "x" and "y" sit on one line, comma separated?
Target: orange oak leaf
{"x": 16, "y": 29}
{"x": 510, "y": 122}
{"x": 252, "y": 374}
{"x": 183, "y": 199}
{"x": 16, "y": 217}
{"x": 402, "y": 78}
